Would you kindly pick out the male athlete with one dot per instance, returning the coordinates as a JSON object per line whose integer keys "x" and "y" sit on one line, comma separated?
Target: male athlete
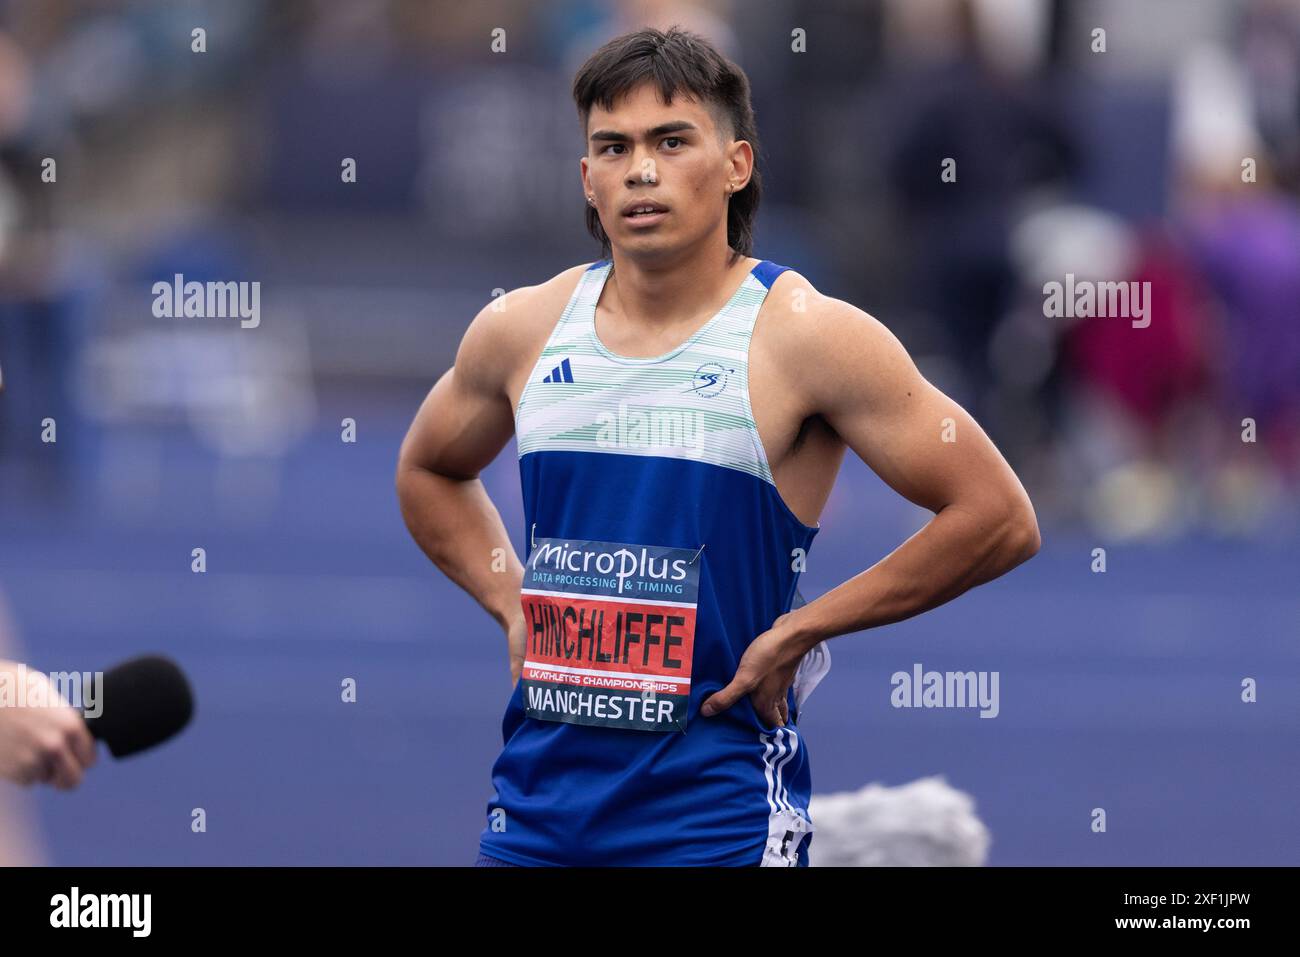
{"x": 681, "y": 410}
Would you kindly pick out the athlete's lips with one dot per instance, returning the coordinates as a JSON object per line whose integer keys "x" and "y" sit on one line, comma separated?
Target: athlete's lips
{"x": 634, "y": 211}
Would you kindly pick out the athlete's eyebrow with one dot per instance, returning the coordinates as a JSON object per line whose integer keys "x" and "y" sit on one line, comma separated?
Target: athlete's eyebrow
{"x": 676, "y": 126}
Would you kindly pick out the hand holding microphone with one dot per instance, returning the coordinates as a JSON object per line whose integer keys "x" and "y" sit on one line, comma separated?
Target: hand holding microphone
{"x": 144, "y": 701}
{"x": 42, "y": 744}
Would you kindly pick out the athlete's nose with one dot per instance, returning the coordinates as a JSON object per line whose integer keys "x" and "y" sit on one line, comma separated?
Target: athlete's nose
{"x": 641, "y": 170}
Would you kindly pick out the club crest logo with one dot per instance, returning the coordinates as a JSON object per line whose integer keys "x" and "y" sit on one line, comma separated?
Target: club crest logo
{"x": 710, "y": 379}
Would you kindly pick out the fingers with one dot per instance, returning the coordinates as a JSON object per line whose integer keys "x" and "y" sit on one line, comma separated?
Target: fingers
{"x": 66, "y": 769}
{"x": 82, "y": 744}
{"x": 724, "y": 699}
{"x": 767, "y": 688}
{"x": 62, "y": 756}
{"x": 773, "y": 712}
{"x": 39, "y": 767}
{"x": 33, "y": 770}
{"x": 46, "y": 739}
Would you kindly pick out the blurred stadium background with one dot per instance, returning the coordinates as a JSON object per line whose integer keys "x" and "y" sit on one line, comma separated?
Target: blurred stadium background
{"x": 1122, "y": 689}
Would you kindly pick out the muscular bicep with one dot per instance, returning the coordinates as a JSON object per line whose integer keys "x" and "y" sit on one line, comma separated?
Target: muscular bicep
{"x": 920, "y": 442}
{"x": 457, "y": 432}
{"x": 466, "y": 419}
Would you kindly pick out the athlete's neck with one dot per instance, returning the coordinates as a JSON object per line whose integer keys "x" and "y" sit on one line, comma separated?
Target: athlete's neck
{"x": 669, "y": 293}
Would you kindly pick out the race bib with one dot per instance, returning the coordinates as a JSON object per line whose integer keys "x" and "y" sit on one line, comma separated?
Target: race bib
{"x": 611, "y": 633}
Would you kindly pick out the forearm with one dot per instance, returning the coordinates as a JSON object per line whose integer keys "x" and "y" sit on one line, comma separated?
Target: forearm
{"x": 957, "y": 550}
{"x": 455, "y": 523}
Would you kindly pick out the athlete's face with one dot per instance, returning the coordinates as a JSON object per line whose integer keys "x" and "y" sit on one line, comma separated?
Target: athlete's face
{"x": 673, "y": 158}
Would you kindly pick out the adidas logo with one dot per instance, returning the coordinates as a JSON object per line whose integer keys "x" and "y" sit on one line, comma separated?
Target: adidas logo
{"x": 561, "y": 373}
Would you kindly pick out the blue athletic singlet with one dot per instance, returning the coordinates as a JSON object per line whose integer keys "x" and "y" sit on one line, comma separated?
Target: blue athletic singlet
{"x": 658, "y": 549}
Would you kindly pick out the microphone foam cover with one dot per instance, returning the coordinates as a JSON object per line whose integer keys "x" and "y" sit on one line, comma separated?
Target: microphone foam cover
{"x": 145, "y": 701}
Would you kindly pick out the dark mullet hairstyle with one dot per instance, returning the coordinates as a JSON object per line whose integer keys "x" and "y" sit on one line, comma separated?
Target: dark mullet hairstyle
{"x": 677, "y": 62}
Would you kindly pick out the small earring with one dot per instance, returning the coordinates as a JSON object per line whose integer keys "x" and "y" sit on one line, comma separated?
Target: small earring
{"x": 591, "y": 200}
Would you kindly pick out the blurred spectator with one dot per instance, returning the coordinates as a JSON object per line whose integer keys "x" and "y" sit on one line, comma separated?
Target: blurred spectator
{"x": 1004, "y": 143}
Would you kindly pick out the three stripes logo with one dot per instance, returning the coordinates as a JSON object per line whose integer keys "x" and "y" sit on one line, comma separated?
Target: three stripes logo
{"x": 561, "y": 373}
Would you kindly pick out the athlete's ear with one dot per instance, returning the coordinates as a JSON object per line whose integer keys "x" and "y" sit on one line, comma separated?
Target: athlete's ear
{"x": 582, "y": 172}
{"x": 740, "y": 164}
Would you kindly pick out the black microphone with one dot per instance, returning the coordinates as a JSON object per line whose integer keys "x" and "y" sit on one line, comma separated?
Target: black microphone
{"x": 143, "y": 702}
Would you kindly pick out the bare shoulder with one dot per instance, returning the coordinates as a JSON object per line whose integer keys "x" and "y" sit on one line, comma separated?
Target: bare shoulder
{"x": 511, "y": 330}
{"x": 829, "y": 349}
